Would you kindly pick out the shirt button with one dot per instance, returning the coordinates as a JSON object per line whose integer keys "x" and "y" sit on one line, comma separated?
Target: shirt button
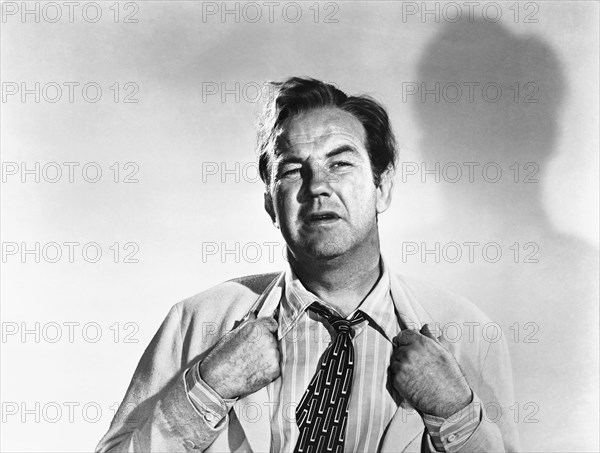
{"x": 188, "y": 443}
{"x": 451, "y": 438}
{"x": 209, "y": 417}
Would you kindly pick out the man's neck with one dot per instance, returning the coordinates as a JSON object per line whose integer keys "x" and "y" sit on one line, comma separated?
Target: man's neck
{"x": 342, "y": 284}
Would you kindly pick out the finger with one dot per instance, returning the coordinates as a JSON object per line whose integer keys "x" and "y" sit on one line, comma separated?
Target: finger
{"x": 406, "y": 337}
{"x": 269, "y": 323}
{"x": 426, "y": 331}
{"x": 398, "y": 354}
{"x": 395, "y": 366}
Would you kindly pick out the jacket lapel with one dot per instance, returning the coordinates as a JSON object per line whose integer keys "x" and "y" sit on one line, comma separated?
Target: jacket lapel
{"x": 253, "y": 411}
{"x": 411, "y": 313}
{"x": 405, "y": 430}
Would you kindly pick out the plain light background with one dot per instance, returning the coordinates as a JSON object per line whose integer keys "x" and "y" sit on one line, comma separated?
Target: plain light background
{"x": 194, "y": 225}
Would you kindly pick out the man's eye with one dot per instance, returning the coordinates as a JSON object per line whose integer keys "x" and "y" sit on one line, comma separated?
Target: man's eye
{"x": 287, "y": 172}
{"x": 340, "y": 164}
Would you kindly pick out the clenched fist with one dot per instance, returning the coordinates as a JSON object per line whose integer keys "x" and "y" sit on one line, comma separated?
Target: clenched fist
{"x": 244, "y": 360}
{"x": 427, "y": 375}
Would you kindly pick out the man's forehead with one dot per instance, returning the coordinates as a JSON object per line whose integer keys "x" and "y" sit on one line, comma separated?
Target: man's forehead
{"x": 319, "y": 126}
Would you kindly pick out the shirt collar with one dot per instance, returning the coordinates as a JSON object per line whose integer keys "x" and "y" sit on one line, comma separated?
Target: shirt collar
{"x": 378, "y": 304}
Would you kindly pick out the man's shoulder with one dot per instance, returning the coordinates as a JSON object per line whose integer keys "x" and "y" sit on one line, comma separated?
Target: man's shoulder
{"x": 240, "y": 292}
{"x": 443, "y": 306}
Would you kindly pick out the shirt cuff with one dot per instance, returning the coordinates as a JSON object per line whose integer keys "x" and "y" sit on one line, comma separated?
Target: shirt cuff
{"x": 450, "y": 434}
{"x": 204, "y": 399}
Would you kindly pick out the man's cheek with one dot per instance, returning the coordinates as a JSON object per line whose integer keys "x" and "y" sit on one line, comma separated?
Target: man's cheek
{"x": 281, "y": 206}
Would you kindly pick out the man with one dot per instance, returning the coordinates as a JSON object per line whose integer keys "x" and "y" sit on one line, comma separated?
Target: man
{"x": 336, "y": 353}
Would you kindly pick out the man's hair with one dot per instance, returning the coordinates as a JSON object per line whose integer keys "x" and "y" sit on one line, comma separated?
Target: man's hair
{"x": 298, "y": 95}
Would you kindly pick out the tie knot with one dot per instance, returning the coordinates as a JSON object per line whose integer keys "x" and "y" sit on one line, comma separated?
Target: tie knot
{"x": 339, "y": 324}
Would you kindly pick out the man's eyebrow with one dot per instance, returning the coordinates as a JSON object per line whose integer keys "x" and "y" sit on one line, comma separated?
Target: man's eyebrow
{"x": 334, "y": 152}
{"x": 342, "y": 149}
{"x": 290, "y": 160}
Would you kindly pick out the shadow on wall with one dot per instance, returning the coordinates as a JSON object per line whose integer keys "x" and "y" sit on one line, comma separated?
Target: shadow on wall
{"x": 543, "y": 291}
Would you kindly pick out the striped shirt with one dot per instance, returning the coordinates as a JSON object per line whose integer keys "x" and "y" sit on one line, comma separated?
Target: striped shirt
{"x": 302, "y": 341}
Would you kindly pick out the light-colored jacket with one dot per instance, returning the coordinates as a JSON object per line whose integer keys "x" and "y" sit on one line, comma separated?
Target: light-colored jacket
{"x": 156, "y": 415}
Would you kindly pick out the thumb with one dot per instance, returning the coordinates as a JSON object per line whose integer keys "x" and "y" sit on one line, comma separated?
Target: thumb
{"x": 445, "y": 343}
{"x": 426, "y": 331}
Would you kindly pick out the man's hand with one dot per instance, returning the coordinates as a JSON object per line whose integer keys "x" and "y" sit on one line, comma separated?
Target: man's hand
{"x": 427, "y": 375}
{"x": 244, "y": 360}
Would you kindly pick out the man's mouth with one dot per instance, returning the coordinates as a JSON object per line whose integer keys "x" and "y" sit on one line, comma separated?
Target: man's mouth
{"x": 323, "y": 217}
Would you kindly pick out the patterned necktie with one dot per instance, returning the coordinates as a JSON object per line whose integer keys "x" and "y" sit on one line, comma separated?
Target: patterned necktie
{"x": 322, "y": 413}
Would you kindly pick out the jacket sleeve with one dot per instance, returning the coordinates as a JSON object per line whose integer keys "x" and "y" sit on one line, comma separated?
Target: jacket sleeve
{"x": 496, "y": 432}
{"x": 156, "y": 413}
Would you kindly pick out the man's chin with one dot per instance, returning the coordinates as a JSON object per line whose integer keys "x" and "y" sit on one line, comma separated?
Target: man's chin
{"x": 322, "y": 250}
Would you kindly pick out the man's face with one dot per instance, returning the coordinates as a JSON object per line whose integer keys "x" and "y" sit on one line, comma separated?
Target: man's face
{"x": 322, "y": 195}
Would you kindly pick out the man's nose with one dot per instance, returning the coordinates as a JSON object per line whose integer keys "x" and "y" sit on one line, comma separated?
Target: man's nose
{"x": 317, "y": 181}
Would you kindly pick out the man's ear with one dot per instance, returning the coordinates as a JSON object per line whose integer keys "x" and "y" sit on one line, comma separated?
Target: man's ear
{"x": 384, "y": 191}
{"x": 269, "y": 208}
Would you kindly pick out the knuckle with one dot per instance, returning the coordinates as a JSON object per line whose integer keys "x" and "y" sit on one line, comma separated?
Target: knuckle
{"x": 254, "y": 332}
{"x": 408, "y": 335}
{"x": 410, "y": 355}
{"x": 273, "y": 370}
{"x": 272, "y": 338}
{"x": 272, "y": 355}
{"x": 267, "y": 323}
